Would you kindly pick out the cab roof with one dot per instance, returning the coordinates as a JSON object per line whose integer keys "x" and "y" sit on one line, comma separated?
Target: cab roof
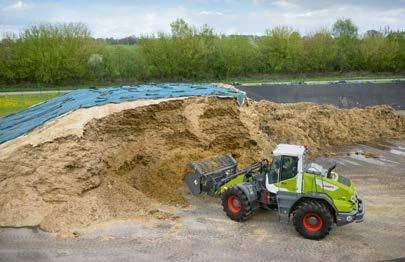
{"x": 289, "y": 150}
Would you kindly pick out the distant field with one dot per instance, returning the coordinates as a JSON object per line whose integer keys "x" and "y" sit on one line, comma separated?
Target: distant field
{"x": 14, "y": 103}
{"x": 273, "y": 78}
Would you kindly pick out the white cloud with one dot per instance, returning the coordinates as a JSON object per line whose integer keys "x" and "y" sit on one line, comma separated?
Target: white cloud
{"x": 108, "y": 19}
{"x": 284, "y": 4}
{"x": 123, "y": 21}
{"x": 210, "y": 13}
{"x": 18, "y": 6}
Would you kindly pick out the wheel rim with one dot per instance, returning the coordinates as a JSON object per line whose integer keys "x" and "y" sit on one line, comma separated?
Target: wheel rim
{"x": 312, "y": 222}
{"x": 234, "y": 204}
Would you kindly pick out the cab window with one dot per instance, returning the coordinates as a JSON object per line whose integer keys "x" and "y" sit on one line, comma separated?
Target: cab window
{"x": 289, "y": 167}
{"x": 274, "y": 169}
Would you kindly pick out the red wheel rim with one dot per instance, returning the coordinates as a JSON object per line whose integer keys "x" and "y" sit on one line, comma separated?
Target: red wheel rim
{"x": 312, "y": 222}
{"x": 234, "y": 204}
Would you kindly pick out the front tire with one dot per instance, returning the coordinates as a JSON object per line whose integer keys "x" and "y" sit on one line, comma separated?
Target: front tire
{"x": 236, "y": 204}
{"x": 312, "y": 220}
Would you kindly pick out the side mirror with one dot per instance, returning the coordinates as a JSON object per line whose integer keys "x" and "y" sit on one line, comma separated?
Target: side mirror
{"x": 329, "y": 174}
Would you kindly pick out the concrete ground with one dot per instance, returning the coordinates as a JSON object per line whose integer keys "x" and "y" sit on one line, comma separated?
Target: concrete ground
{"x": 346, "y": 95}
{"x": 204, "y": 233}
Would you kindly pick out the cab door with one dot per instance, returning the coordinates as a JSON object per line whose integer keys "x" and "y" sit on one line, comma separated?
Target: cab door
{"x": 288, "y": 174}
{"x": 283, "y": 174}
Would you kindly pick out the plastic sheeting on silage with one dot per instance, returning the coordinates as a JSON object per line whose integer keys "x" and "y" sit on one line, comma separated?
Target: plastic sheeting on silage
{"x": 22, "y": 122}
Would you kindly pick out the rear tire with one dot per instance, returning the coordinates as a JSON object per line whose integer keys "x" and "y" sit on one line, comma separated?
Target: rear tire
{"x": 312, "y": 220}
{"x": 236, "y": 204}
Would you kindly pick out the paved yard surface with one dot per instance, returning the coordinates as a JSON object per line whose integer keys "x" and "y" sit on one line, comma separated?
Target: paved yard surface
{"x": 342, "y": 95}
{"x": 203, "y": 232}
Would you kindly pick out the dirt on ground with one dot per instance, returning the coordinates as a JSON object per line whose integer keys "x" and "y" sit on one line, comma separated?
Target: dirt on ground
{"x": 128, "y": 163}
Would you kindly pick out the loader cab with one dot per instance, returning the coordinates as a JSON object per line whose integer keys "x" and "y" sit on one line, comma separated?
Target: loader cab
{"x": 286, "y": 170}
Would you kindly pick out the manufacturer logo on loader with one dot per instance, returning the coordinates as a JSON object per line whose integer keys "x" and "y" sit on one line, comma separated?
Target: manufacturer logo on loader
{"x": 326, "y": 185}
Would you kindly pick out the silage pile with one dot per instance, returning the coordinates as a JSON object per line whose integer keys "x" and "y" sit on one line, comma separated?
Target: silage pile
{"x": 125, "y": 164}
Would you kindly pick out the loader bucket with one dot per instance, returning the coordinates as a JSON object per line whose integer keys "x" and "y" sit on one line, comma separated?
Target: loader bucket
{"x": 193, "y": 182}
{"x": 206, "y": 174}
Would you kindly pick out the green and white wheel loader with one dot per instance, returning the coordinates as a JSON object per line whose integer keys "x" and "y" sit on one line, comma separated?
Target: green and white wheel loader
{"x": 312, "y": 197}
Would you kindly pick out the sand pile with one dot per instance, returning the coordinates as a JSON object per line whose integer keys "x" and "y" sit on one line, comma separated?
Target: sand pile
{"x": 124, "y": 165}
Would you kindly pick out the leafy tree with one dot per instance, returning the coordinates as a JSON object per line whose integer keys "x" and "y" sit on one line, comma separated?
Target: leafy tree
{"x": 8, "y": 60}
{"x": 348, "y": 55}
{"x": 281, "y": 49}
{"x": 373, "y": 33}
{"x": 181, "y": 29}
{"x": 344, "y": 28}
{"x": 62, "y": 53}
{"x": 319, "y": 52}
{"x": 236, "y": 56}
{"x": 95, "y": 64}
{"x": 124, "y": 62}
{"x": 50, "y": 53}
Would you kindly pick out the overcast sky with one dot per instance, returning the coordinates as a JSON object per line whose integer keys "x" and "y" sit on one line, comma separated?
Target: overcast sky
{"x": 122, "y": 18}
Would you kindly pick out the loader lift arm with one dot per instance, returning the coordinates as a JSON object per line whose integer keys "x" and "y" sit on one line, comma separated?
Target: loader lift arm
{"x": 210, "y": 175}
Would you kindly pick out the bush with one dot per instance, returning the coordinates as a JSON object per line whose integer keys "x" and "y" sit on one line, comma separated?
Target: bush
{"x": 48, "y": 54}
{"x": 66, "y": 52}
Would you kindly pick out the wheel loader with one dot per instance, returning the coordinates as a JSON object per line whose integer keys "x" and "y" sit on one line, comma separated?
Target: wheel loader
{"x": 308, "y": 195}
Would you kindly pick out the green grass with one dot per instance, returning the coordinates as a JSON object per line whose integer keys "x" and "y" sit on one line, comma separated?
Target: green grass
{"x": 133, "y": 48}
{"x": 243, "y": 80}
{"x": 15, "y": 103}
{"x": 41, "y": 87}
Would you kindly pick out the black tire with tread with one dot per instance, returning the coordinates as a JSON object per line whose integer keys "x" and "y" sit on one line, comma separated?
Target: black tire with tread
{"x": 246, "y": 209}
{"x": 312, "y": 206}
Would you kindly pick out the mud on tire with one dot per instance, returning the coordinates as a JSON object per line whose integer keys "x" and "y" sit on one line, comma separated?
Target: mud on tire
{"x": 312, "y": 220}
{"x": 236, "y": 204}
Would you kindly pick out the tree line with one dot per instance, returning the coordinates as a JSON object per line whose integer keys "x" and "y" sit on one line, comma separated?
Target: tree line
{"x": 66, "y": 53}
